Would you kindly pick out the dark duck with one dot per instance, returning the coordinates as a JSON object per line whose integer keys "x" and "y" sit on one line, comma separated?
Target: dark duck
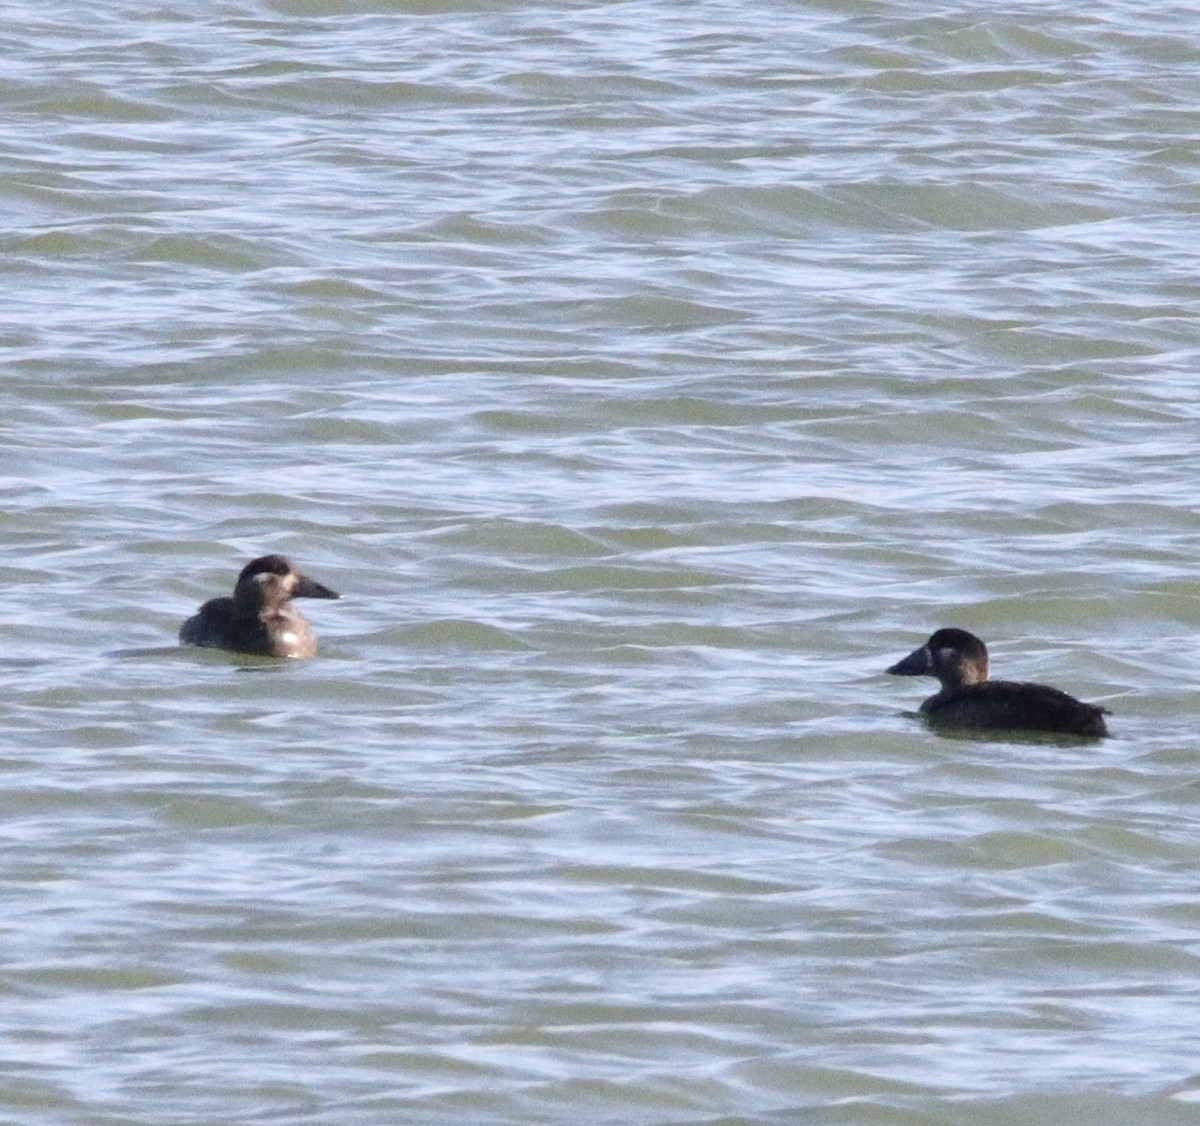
{"x": 968, "y": 700}
{"x": 260, "y": 617}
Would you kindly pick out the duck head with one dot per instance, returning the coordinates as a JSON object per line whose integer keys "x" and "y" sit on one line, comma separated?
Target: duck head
{"x": 954, "y": 656}
{"x": 272, "y": 579}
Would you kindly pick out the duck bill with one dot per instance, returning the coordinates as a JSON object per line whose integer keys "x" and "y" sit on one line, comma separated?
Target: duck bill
{"x": 310, "y": 588}
{"x": 918, "y": 663}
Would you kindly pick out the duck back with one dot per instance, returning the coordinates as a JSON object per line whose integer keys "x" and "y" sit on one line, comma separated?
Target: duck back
{"x": 1015, "y": 706}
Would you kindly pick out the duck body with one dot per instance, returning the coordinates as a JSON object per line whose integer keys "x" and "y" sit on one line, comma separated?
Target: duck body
{"x": 968, "y": 700}
{"x": 259, "y": 617}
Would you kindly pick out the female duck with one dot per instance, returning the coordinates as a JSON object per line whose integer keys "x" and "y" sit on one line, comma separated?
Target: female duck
{"x": 968, "y": 699}
{"x": 259, "y": 618}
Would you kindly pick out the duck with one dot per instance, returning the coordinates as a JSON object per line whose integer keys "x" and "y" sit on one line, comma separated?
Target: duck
{"x": 959, "y": 660}
{"x": 259, "y": 618}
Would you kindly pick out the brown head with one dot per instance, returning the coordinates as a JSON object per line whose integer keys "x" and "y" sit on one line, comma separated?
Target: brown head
{"x": 271, "y": 580}
{"x": 954, "y": 656}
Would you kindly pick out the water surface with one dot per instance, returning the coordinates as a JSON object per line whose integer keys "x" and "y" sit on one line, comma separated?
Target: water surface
{"x": 648, "y": 378}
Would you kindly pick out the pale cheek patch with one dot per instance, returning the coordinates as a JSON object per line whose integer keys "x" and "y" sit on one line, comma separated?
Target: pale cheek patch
{"x": 288, "y": 638}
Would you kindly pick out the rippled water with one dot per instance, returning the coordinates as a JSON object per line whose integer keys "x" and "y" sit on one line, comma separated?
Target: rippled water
{"x": 648, "y": 377}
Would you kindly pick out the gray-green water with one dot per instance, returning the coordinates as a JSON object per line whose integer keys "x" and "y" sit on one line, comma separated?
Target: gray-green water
{"x": 648, "y": 377}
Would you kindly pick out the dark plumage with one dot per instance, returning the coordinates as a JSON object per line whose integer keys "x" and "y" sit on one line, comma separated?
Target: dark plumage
{"x": 259, "y": 618}
{"x": 968, "y": 699}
